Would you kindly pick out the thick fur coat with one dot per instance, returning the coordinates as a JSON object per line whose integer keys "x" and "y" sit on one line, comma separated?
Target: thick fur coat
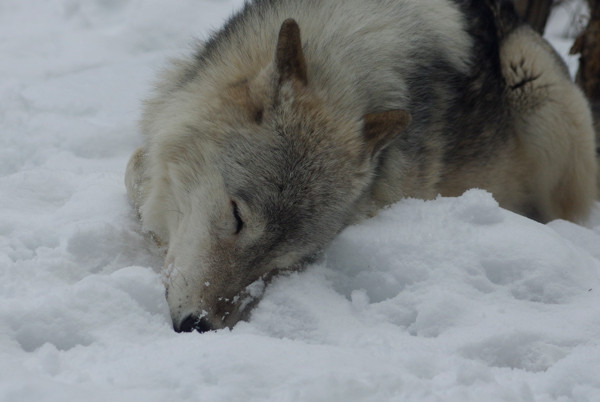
{"x": 300, "y": 117}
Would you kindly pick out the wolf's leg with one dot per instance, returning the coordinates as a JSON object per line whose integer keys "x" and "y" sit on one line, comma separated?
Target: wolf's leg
{"x": 553, "y": 125}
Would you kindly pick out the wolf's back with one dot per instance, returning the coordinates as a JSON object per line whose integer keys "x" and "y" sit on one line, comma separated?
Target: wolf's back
{"x": 367, "y": 50}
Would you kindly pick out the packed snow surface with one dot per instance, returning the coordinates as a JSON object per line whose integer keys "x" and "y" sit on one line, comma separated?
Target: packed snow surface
{"x": 454, "y": 299}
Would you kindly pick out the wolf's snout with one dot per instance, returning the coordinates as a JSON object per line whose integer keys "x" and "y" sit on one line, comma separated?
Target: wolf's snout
{"x": 191, "y": 323}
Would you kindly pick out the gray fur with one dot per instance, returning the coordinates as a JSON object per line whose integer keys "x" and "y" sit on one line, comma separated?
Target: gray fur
{"x": 264, "y": 145}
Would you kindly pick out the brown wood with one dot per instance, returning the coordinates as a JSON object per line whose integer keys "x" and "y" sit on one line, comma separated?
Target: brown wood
{"x": 588, "y": 46}
{"x": 535, "y": 12}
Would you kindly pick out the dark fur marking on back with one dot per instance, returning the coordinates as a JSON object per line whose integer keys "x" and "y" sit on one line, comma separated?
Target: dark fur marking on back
{"x": 525, "y": 81}
{"x": 477, "y": 105}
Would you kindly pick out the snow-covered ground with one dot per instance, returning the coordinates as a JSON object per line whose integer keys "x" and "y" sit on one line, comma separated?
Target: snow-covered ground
{"x": 449, "y": 300}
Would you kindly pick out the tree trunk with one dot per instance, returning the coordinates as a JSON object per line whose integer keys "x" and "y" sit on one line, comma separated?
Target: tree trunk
{"x": 588, "y": 75}
{"x": 588, "y": 46}
{"x": 535, "y": 12}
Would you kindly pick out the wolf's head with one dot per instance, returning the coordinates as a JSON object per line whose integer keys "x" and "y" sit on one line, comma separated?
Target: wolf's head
{"x": 260, "y": 179}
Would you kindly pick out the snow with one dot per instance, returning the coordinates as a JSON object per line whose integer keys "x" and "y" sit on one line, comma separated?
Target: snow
{"x": 447, "y": 300}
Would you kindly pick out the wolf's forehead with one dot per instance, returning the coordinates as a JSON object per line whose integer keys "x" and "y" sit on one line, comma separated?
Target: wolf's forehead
{"x": 271, "y": 155}
{"x": 264, "y": 181}
{"x": 284, "y": 167}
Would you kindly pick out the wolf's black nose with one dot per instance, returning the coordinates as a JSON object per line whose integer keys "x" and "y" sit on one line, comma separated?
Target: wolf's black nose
{"x": 192, "y": 322}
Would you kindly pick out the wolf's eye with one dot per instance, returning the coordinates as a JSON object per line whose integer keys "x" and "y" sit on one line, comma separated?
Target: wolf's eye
{"x": 238, "y": 219}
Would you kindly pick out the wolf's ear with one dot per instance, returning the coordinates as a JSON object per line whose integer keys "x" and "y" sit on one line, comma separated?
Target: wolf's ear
{"x": 381, "y": 129}
{"x": 289, "y": 57}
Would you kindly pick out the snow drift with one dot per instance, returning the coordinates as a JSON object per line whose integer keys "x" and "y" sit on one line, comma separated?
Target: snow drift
{"x": 453, "y": 299}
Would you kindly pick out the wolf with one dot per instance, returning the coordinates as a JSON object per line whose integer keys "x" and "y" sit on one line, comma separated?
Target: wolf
{"x": 301, "y": 117}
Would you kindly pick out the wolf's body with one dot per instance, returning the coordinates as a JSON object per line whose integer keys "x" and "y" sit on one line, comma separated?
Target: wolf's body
{"x": 262, "y": 146}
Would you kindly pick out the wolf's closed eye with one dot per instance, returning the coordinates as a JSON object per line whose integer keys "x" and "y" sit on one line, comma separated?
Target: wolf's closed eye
{"x": 238, "y": 219}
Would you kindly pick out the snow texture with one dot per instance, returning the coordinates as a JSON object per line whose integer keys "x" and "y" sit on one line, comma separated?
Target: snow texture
{"x": 454, "y": 299}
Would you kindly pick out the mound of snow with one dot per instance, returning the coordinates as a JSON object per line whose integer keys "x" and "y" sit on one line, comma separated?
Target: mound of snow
{"x": 453, "y": 299}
